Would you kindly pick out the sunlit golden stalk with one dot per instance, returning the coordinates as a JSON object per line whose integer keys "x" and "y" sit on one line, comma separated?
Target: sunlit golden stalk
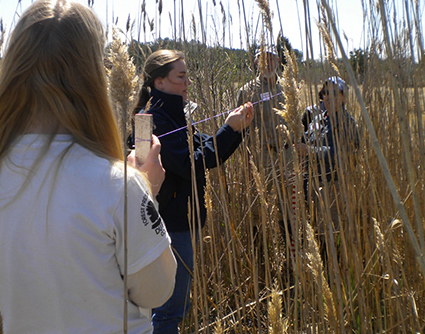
{"x": 277, "y": 325}
{"x": 315, "y": 264}
{"x": 330, "y": 50}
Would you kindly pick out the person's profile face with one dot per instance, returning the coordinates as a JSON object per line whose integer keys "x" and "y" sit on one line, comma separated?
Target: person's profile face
{"x": 176, "y": 82}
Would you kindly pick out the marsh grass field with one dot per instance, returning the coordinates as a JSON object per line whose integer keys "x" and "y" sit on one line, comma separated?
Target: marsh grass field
{"x": 371, "y": 278}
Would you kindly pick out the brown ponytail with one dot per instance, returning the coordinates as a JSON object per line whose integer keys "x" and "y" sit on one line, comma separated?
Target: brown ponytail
{"x": 158, "y": 65}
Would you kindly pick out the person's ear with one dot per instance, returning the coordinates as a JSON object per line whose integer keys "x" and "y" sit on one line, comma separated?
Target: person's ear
{"x": 159, "y": 83}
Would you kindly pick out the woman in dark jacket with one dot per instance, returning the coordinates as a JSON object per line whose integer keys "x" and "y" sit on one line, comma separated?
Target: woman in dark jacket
{"x": 163, "y": 95}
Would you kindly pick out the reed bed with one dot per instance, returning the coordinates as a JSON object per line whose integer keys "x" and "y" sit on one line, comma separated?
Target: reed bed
{"x": 371, "y": 278}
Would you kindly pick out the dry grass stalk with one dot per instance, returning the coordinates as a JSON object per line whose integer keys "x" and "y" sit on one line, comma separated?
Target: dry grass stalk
{"x": 193, "y": 26}
{"x": 208, "y": 193}
{"x": 291, "y": 111}
{"x": 277, "y": 325}
{"x": 315, "y": 264}
{"x": 2, "y": 34}
{"x": 218, "y": 328}
{"x": 123, "y": 82}
{"x": 223, "y": 13}
{"x": 396, "y": 227}
{"x": 262, "y": 61}
{"x": 259, "y": 183}
{"x": 148, "y": 104}
{"x": 329, "y": 45}
{"x": 144, "y": 16}
{"x": 265, "y": 10}
{"x": 379, "y": 237}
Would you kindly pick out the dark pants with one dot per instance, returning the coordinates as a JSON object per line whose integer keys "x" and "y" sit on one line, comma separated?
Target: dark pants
{"x": 165, "y": 319}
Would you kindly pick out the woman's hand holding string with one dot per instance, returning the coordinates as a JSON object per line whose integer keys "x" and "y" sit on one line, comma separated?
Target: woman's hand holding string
{"x": 241, "y": 117}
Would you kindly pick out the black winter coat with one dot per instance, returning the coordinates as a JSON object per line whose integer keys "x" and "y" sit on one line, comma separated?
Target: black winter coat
{"x": 320, "y": 133}
{"x": 168, "y": 115}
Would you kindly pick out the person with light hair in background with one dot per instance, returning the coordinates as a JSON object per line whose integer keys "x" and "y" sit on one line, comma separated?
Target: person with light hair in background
{"x": 63, "y": 188}
{"x": 267, "y": 144}
{"x": 268, "y": 92}
{"x": 164, "y": 95}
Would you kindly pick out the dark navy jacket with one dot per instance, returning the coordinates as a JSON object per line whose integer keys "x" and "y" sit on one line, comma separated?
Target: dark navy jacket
{"x": 168, "y": 115}
{"x": 321, "y": 133}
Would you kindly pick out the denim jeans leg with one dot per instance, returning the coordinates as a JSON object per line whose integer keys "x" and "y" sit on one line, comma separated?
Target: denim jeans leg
{"x": 165, "y": 319}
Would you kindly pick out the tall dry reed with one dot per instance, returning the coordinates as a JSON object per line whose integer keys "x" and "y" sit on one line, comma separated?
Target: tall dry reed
{"x": 2, "y": 34}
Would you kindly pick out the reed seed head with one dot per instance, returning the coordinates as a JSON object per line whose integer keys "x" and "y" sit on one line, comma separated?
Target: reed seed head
{"x": 315, "y": 264}
{"x": 218, "y": 328}
{"x": 291, "y": 111}
{"x": 379, "y": 236}
{"x": 123, "y": 81}
{"x": 265, "y": 10}
{"x": 277, "y": 325}
{"x": 329, "y": 46}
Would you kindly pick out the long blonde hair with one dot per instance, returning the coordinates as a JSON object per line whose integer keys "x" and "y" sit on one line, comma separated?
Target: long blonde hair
{"x": 53, "y": 69}
{"x": 157, "y": 65}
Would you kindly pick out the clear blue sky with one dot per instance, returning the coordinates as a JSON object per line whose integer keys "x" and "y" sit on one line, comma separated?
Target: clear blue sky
{"x": 289, "y": 14}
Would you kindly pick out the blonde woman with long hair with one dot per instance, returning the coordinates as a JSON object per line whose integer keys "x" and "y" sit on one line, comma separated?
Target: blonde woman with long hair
{"x": 62, "y": 187}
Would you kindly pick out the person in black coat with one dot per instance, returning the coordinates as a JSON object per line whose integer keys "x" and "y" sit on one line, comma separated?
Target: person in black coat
{"x": 164, "y": 94}
{"x": 329, "y": 128}
{"x": 331, "y": 139}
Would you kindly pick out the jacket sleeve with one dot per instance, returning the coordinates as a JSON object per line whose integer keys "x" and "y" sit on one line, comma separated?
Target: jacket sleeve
{"x": 227, "y": 142}
{"x": 175, "y": 153}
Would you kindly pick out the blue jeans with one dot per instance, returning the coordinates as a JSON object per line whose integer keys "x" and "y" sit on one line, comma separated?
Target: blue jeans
{"x": 165, "y": 319}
